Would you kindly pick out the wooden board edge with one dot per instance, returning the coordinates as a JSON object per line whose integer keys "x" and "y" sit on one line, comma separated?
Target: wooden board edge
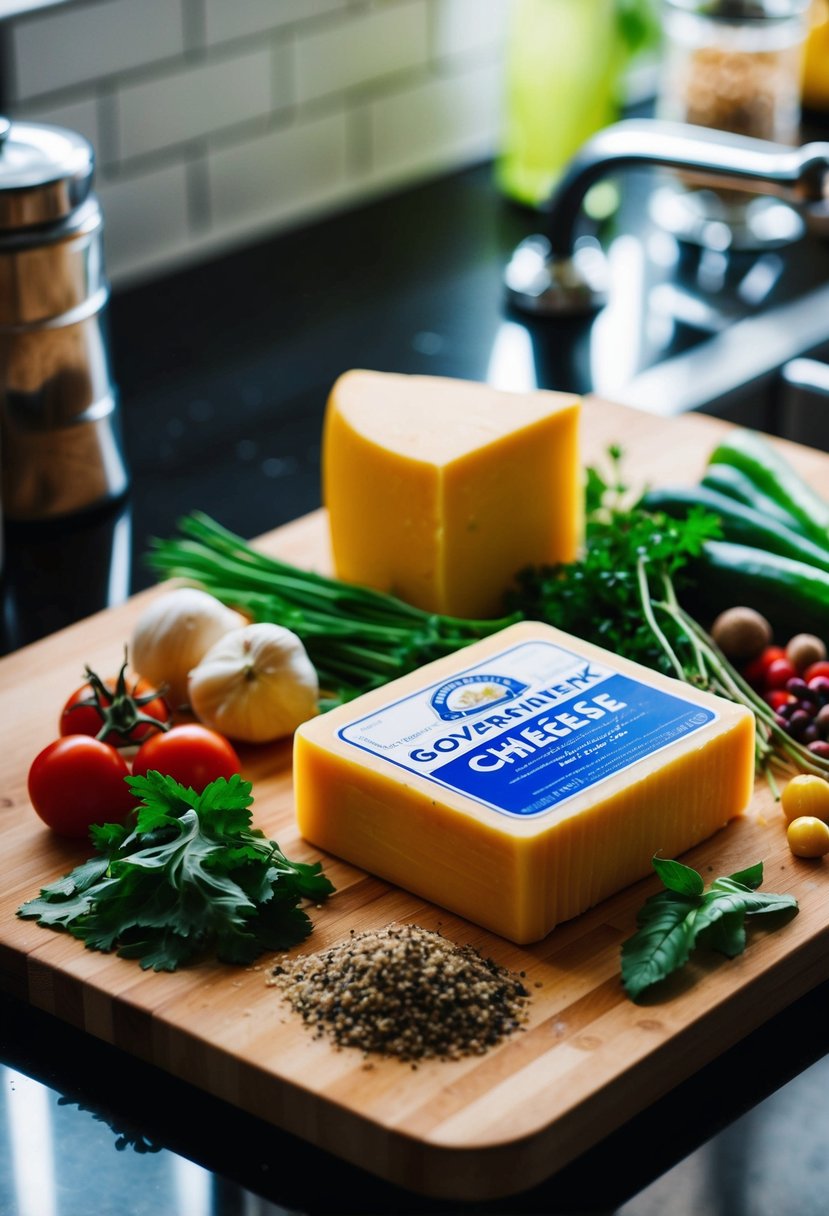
{"x": 478, "y": 1173}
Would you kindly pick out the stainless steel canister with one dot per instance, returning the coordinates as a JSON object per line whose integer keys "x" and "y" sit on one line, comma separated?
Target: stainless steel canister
{"x": 60, "y": 443}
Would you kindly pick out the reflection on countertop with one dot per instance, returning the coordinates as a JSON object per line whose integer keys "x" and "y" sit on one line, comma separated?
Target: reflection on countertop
{"x": 85, "y": 1129}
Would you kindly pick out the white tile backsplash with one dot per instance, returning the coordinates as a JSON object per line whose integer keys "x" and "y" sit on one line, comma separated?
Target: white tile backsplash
{"x": 436, "y": 125}
{"x": 218, "y": 121}
{"x": 80, "y": 116}
{"x": 464, "y": 27}
{"x": 80, "y": 43}
{"x": 279, "y": 174}
{"x": 146, "y": 220}
{"x": 193, "y": 101}
{"x": 228, "y": 19}
{"x": 363, "y": 49}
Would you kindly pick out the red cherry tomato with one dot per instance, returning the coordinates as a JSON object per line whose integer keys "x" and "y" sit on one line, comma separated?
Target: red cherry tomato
{"x": 80, "y": 719}
{"x": 821, "y": 668}
{"x": 191, "y": 754}
{"x": 778, "y": 697}
{"x": 756, "y": 671}
{"x": 77, "y": 781}
{"x": 779, "y": 672}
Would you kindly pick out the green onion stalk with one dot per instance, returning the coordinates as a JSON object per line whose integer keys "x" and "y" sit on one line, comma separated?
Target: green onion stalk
{"x": 774, "y": 749}
{"x": 620, "y": 595}
{"x": 357, "y": 638}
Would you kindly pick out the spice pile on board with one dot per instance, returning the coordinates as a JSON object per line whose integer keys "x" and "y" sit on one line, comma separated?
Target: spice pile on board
{"x": 404, "y": 992}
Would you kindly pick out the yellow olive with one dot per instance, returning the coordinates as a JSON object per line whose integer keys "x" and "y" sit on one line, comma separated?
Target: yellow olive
{"x": 808, "y": 837}
{"x": 806, "y": 794}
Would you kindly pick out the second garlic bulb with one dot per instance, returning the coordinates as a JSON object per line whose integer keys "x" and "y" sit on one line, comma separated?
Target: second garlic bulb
{"x": 255, "y": 684}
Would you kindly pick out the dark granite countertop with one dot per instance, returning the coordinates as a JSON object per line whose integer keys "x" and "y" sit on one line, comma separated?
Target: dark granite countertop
{"x": 224, "y": 370}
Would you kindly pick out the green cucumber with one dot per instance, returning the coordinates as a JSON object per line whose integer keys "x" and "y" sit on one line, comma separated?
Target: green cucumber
{"x": 740, "y": 524}
{"x": 733, "y": 483}
{"x": 753, "y": 455}
{"x": 793, "y": 596}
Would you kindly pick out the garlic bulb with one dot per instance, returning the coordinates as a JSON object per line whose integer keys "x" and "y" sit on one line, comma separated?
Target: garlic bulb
{"x": 255, "y": 685}
{"x": 174, "y": 633}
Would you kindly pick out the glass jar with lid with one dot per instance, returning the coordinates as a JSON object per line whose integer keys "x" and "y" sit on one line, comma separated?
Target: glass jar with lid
{"x": 733, "y": 65}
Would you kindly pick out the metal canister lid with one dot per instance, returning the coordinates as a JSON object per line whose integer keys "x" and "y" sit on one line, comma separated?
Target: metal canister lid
{"x": 45, "y": 173}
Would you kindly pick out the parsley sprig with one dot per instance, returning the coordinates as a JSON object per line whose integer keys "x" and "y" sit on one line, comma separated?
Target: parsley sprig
{"x": 624, "y": 593}
{"x": 633, "y": 562}
{"x": 191, "y": 877}
{"x": 685, "y": 915}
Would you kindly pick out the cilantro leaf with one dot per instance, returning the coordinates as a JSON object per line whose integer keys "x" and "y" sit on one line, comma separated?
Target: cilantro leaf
{"x": 192, "y": 878}
{"x": 632, "y": 555}
{"x": 685, "y": 915}
{"x": 162, "y": 799}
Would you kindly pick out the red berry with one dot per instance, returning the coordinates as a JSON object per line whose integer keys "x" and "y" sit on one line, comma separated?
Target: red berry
{"x": 819, "y": 687}
{"x": 779, "y": 672}
{"x": 817, "y": 669}
{"x": 778, "y": 697}
{"x": 755, "y": 671}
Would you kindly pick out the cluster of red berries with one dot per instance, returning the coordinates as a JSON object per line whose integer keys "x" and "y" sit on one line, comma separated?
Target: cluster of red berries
{"x": 798, "y": 696}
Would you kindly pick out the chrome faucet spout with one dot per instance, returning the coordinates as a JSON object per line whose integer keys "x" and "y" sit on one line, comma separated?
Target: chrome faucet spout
{"x": 799, "y": 176}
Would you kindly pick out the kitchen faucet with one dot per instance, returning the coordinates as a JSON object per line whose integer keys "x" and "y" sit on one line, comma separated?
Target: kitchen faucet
{"x": 549, "y": 274}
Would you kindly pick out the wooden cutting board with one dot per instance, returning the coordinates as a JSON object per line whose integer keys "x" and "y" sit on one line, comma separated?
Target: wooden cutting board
{"x": 479, "y": 1128}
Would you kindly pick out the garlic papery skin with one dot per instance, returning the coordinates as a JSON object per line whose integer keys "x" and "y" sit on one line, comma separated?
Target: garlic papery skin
{"x": 173, "y": 635}
{"x": 255, "y": 685}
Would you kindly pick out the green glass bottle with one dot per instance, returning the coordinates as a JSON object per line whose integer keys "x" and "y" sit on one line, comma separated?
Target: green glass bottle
{"x": 564, "y": 64}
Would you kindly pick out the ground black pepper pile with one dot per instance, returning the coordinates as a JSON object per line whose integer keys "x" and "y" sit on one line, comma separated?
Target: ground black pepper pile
{"x": 405, "y": 992}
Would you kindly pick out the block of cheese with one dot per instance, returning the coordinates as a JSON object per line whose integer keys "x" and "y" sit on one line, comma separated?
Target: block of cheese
{"x": 440, "y": 490}
{"x": 523, "y": 779}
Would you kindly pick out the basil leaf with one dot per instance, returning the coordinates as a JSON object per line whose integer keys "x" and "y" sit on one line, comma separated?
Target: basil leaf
{"x": 752, "y": 901}
{"x": 684, "y": 915}
{"x": 752, "y": 877}
{"x": 678, "y": 877}
{"x": 726, "y": 934}
{"x": 662, "y": 944}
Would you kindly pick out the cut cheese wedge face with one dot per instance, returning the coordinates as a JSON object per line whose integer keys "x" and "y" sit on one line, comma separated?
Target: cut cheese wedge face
{"x": 523, "y": 779}
{"x": 439, "y": 491}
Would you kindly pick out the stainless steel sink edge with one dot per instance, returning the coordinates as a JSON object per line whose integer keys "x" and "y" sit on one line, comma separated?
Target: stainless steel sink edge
{"x": 736, "y": 374}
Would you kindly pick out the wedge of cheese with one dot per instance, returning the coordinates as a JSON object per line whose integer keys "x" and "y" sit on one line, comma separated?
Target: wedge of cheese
{"x": 440, "y": 490}
{"x": 523, "y": 779}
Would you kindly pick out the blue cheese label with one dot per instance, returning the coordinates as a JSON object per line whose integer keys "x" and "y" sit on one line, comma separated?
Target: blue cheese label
{"x": 527, "y": 728}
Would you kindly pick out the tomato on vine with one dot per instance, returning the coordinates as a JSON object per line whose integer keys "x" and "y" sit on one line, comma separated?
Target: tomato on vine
{"x": 77, "y": 781}
{"x": 114, "y": 712}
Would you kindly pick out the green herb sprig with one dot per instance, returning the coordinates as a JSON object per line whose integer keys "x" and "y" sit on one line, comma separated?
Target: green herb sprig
{"x": 624, "y": 593}
{"x": 632, "y": 557}
{"x": 685, "y": 915}
{"x": 189, "y": 879}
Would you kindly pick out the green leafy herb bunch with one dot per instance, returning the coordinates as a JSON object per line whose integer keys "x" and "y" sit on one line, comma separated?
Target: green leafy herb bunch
{"x": 189, "y": 878}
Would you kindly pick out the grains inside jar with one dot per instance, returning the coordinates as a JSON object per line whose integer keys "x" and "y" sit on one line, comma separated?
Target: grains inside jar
{"x": 405, "y": 992}
{"x": 732, "y": 69}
